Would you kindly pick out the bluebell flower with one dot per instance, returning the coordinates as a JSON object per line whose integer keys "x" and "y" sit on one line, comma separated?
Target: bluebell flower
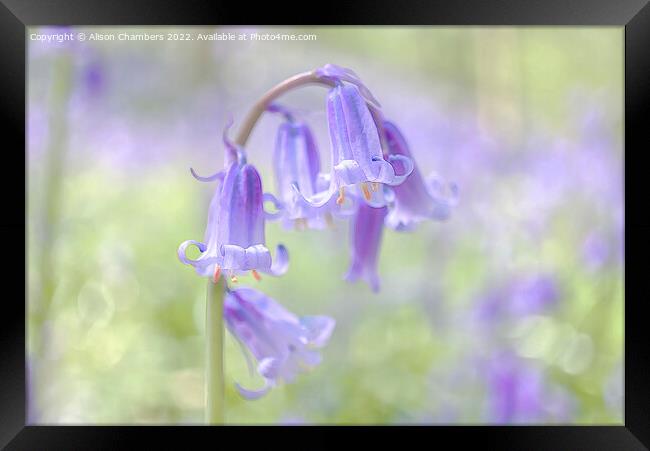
{"x": 296, "y": 164}
{"x": 281, "y": 343}
{"x": 234, "y": 238}
{"x": 366, "y": 229}
{"x": 357, "y": 156}
{"x": 414, "y": 200}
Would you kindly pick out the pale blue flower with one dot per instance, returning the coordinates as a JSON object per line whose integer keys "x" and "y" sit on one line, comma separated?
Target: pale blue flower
{"x": 281, "y": 343}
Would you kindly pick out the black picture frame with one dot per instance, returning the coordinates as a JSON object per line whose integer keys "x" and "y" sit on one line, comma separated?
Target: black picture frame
{"x": 16, "y": 15}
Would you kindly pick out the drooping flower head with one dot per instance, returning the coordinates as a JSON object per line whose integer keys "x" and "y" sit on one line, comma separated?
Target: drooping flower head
{"x": 415, "y": 200}
{"x": 234, "y": 237}
{"x": 357, "y": 156}
{"x": 366, "y": 231}
{"x": 282, "y": 344}
{"x": 296, "y": 164}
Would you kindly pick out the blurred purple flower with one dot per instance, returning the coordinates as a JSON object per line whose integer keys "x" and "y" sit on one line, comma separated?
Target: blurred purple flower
{"x": 366, "y": 230}
{"x": 357, "y": 156}
{"x": 595, "y": 251}
{"x": 523, "y": 295}
{"x": 514, "y": 392}
{"x": 282, "y": 343}
{"x": 518, "y": 393}
{"x": 94, "y": 78}
{"x": 234, "y": 236}
{"x": 415, "y": 201}
{"x": 532, "y": 295}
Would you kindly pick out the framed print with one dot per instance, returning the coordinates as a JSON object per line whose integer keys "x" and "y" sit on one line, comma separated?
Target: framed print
{"x": 413, "y": 219}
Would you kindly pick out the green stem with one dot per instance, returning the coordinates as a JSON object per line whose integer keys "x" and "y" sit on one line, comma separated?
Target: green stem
{"x": 214, "y": 374}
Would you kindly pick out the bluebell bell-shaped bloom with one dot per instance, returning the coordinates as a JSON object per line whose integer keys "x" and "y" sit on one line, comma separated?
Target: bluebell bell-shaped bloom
{"x": 234, "y": 237}
{"x": 415, "y": 200}
{"x": 282, "y": 344}
{"x": 366, "y": 229}
{"x": 357, "y": 157}
{"x": 297, "y": 168}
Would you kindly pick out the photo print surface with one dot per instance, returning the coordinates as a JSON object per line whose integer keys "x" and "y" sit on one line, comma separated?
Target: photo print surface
{"x": 327, "y": 225}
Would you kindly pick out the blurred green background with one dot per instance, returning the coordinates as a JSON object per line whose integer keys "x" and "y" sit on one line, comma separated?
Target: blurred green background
{"x": 527, "y": 122}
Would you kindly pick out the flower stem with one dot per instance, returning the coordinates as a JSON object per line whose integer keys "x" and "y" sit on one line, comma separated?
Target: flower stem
{"x": 214, "y": 374}
{"x": 260, "y": 106}
{"x": 298, "y": 80}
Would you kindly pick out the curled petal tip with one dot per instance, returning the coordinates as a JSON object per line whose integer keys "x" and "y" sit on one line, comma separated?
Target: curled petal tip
{"x": 183, "y": 247}
{"x": 231, "y": 148}
{"x": 281, "y": 109}
{"x": 216, "y": 176}
{"x": 277, "y": 204}
{"x": 319, "y": 199}
{"x": 252, "y": 394}
{"x": 280, "y": 263}
{"x": 407, "y": 164}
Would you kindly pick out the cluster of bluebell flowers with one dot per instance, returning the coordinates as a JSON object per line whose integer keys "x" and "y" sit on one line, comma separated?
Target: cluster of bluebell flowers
{"x": 373, "y": 181}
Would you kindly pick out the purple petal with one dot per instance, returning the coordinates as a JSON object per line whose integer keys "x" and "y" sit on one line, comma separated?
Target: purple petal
{"x": 296, "y": 167}
{"x": 244, "y": 259}
{"x": 279, "y": 206}
{"x": 280, "y": 264}
{"x": 366, "y": 233}
{"x": 319, "y": 199}
{"x": 281, "y": 109}
{"x": 216, "y": 176}
{"x": 415, "y": 199}
{"x": 319, "y": 329}
{"x": 184, "y": 245}
{"x": 253, "y": 394}
{"x": 281, "y": 342}
{"x": 355, "y": 129}
{"x": 231, "y": 149}
{"x": 269, "y": 367}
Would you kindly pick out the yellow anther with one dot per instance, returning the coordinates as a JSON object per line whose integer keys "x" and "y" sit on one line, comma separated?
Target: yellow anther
{"x": 374, "y": 186}
{"x": 233, "y": 279}
{"x": 366, "y": 192}
{"x": 256, "y": 275}
{"x": 341, "y": 198}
